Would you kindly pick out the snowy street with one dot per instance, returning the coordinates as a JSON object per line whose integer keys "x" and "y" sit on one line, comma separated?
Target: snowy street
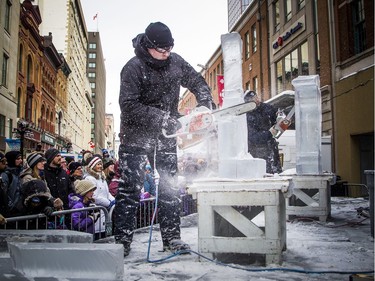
{"x": 338, "y": 245}
{"x": 342, "y": 244}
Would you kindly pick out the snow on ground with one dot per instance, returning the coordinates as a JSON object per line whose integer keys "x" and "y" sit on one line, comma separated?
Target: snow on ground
{"x": 342, "y": 244}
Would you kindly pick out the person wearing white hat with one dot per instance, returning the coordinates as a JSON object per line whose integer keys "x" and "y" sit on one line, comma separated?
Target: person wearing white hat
{"x": 82, "y": 198}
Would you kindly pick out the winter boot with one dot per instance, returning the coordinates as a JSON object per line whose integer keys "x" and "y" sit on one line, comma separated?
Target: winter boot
{"x": 176, "y": 245}
{"x": 126, "y": 249}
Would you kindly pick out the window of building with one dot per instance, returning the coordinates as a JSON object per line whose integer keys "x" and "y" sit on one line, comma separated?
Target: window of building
{"x": 92, "y": 65}
{"x": 2, "y": 125}
{"x": 4, "y": 76}
{"x": 20, "y": 56}
{"x": 29, "y": 69}
{"x": 247, "y": 45}
{"x": 292, "y": 65}
{"x": 276, "y": 15}
{"x": 92, "y": 55}
{"x": 288, "y": 10}
{"x": 301, "y": 4}
{"x": 255, "y": 84}
{"x": 93, "y": 95}
{"x": 92, "y": 46}
{"x": 10, "y": 123}
{"x": 247, "y": 86}
{"x": 92, "y": 74}
{"x": 359, "y": 26}
{"x": 92, "y": 85}
{"x": 215, "y": 80}
{"x": 8, "y": 10}
{"x": 254, "y": 38}
{"x": 304, "y": 59}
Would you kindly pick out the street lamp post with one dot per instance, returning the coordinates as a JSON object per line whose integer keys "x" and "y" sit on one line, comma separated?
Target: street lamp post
{"x": 21, "y": 130}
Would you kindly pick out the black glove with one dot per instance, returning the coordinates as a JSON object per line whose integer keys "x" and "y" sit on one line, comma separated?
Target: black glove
{"x": 48, "y": 211}
{"x": 171, "y": 125}
{"x": 94, "y": 216}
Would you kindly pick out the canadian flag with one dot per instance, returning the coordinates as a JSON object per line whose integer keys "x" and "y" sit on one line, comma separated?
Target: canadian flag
{"x": 94, "y": 17}
{"x": 92, "y": 145}
{"x": 220, "y": 89}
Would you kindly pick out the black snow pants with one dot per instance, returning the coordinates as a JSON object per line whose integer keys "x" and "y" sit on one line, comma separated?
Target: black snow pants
{"x": 132, "y": 164}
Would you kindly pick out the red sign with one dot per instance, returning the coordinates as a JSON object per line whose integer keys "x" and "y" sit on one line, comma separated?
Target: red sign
{"x": 220, "y": 88}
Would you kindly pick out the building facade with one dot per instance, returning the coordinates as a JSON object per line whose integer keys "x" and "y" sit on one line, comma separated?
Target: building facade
{"x": 64, "y": 19}
{"x": 9, "y": 24}
{"x": 97, "y": 77}
{"x": 283, "y": 39}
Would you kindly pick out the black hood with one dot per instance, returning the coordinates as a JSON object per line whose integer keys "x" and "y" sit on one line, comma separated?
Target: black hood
{"x": 140, "y": 50}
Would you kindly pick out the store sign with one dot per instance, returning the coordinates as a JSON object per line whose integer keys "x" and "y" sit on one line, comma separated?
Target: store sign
{"x": 48, "y": 139}
{"x": 32, "y": 134}
{"x": 288, "y": 35}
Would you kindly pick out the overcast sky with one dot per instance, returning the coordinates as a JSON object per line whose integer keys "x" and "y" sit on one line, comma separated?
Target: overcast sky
{"x": 196, "y": 26}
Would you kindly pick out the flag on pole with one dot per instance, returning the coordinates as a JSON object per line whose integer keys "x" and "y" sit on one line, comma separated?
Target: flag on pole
{"x": 220, "y": 89}
{"x": 94, "y": 17}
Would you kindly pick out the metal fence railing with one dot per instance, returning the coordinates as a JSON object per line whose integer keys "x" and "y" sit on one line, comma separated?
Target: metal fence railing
{"x": 63, "y": 219}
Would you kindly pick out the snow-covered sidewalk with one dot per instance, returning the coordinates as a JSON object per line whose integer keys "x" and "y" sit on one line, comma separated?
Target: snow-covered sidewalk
{"x": 342, "y": 244}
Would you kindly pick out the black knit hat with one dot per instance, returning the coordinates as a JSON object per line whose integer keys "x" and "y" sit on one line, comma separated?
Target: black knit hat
{"x": 12, "y": 157}
{"x": 34, "y": 158}
{"x": 107, "y": 162}
{"x": 51, "y": 154}
{"x": 72, "y": 167}
{"x": 249, "y": 95}
{"x": 159, "y": 35}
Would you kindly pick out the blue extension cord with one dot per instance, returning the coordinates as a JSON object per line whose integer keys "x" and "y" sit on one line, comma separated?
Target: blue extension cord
{"x": 237, "y": 267}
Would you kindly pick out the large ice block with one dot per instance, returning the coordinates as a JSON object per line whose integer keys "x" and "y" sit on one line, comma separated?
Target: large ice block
{"x": 308, "y": 115}
{"x": 234, "y": 160}
{"x": 42, "y": 235}
{"x": 73, "y": 260}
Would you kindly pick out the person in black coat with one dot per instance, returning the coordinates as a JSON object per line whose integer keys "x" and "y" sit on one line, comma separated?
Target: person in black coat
{"x": 261, "y": 143}
{"x": 56, "y": 177}
{"x": 149, "y": 95}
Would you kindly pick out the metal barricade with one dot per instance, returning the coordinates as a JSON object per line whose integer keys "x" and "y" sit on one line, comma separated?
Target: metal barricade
{"x": 63, "y": 220}
{"x": 58, "y": 220}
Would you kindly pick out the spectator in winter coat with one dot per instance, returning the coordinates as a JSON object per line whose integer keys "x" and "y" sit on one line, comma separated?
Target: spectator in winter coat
{"x": 113, "y": 185}
{"x": 75, "y": 171}
{"x": 34, "y": 168}
{"x": 36, "y": 200}
{"x": 83, "y": 198}
{"x": 149, "y": 96}
{"x": 261, "y": 143}
{"x": 3, "y": 190}
{"x": 11, "y": 179}
{"x": 149, "y": 182}
{"x": 56, "y": 177}
{"x": 108, "y": 169}
{"x": 94, "y": 173}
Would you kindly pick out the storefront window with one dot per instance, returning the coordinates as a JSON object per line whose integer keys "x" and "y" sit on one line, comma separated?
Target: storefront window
{"x": 279, "y": 76}
{"x": 305, "y": 59}
{"x": 291, "y": 66}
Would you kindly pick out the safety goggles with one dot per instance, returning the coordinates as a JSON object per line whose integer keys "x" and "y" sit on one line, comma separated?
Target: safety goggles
{"x": 158, "y": 49}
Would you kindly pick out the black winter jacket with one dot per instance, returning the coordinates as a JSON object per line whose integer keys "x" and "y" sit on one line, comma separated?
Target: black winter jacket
{"x": 149, "y": 92}
{"x": 58, "y": 183}
{"x": 259, "y": 121}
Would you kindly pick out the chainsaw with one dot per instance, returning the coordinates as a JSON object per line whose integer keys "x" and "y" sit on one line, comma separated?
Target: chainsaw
{"x": 282, "y": 123}
{"x": 202, "y": 121}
